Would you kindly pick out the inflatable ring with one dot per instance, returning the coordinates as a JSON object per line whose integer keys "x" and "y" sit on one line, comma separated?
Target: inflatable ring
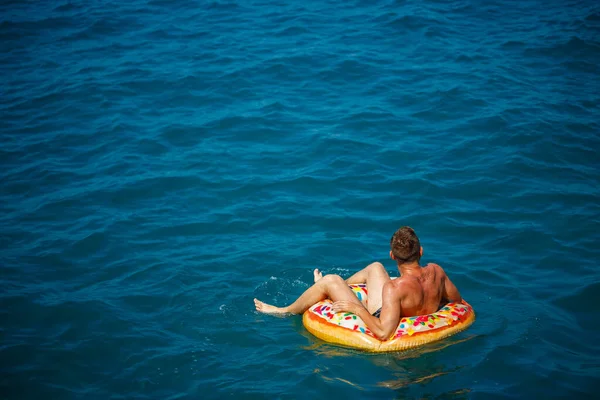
{"x": 348, "y": 329}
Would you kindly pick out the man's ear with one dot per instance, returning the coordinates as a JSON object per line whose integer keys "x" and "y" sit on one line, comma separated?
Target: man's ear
{"x": 421, "y": 251}
{"x": 392, "y": 255}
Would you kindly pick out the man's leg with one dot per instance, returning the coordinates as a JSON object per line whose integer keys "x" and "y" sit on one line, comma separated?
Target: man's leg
{"x": 375, "y": 276}
{"x": 329, "y": 286}
{"x": 361, "y": 276}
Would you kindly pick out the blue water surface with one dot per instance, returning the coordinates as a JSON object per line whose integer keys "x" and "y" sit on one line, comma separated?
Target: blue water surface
{"x": 165, "y": 162}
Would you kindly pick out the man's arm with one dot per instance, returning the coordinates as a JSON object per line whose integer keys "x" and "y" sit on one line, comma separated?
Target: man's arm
{"x": 451, "y": 293}
{"x": 384, "y": 326}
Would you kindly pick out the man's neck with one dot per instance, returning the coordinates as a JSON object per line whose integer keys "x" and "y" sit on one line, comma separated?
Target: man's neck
{"x": 412, "y": 268}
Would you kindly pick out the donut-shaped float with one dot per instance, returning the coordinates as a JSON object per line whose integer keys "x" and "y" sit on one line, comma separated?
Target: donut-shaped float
{"x": 347, "y": 329}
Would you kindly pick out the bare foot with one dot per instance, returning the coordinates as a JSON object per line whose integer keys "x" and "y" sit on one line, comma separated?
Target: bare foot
{"x": 317, "y": 274}
{"x": 267, "y": 308}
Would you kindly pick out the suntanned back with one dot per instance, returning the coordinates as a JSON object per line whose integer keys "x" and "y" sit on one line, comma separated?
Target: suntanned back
{"x": 423, "y": 290}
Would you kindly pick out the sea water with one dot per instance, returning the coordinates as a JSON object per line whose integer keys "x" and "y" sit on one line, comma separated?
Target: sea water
{"x": 165, "y": 162}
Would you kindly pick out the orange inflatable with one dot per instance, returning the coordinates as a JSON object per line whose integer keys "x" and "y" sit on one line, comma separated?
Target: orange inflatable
{"x": 348, "y": 329}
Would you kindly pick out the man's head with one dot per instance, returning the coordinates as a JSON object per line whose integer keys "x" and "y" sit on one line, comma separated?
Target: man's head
{"x": 405, "y": 246}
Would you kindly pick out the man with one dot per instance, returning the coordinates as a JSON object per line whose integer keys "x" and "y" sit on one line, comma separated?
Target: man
{"x": 418, "y": 291}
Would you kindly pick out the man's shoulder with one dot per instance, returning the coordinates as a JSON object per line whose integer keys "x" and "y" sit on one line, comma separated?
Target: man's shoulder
{"x": 403, "y": 285}
{"x": 395, "y": 285}
{"x": 436, "y": 267}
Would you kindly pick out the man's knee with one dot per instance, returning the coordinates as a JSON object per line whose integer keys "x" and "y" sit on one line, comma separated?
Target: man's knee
{"x": 333, "y": 279}
{"x": 377, "y": 266}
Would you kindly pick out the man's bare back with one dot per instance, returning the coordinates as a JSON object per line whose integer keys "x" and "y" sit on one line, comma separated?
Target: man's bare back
{"x": 424, "y": 290}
